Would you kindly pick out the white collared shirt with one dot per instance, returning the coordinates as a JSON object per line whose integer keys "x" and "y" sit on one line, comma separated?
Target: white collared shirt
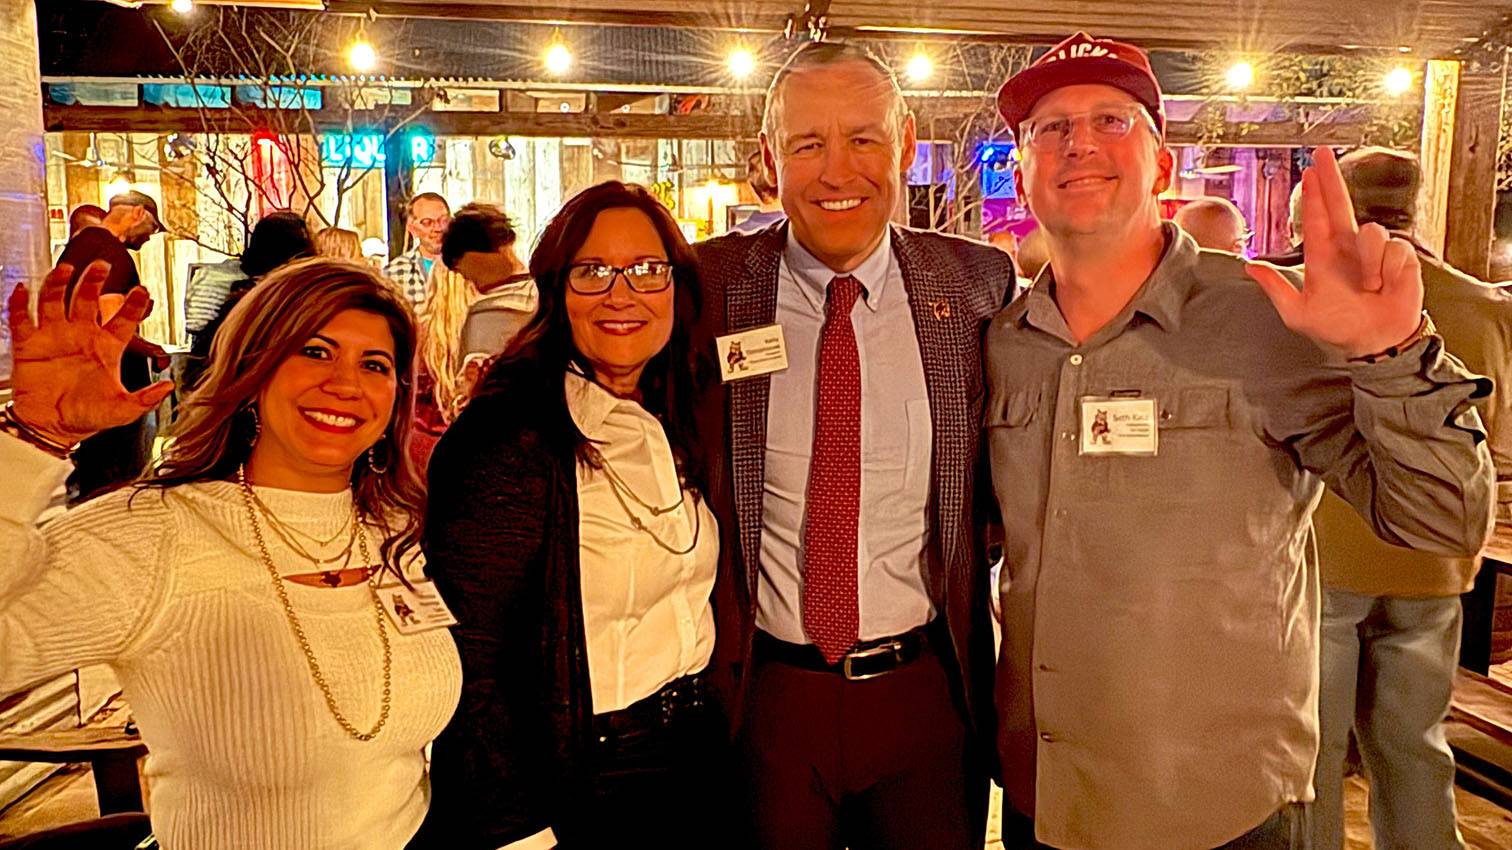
{"x": 896, "y": 449}
{"x": 646, "y": 611}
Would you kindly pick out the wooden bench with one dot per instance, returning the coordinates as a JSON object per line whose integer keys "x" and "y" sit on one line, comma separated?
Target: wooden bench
{"x": 111, "y": 752}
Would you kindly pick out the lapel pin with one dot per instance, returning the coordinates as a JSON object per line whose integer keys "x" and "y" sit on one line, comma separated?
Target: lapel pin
{"x": 941, "y": 310}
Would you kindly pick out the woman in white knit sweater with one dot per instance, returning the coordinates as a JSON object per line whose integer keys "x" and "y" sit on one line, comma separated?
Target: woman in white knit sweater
{"x": 235, "y": 590}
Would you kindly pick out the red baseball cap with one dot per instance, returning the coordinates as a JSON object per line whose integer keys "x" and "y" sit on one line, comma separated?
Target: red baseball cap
{"x": 1081, "y": 60}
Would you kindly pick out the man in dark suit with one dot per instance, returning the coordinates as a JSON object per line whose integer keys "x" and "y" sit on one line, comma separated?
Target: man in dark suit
{"x": 854, "y": 618}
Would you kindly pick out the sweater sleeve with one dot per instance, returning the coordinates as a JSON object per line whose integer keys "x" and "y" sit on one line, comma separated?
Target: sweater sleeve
{"x": 491, "y": 768}
{"x": 80, "y": 588}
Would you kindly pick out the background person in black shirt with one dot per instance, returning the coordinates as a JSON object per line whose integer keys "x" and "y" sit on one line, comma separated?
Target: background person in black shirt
{"x": 117, "y": 455}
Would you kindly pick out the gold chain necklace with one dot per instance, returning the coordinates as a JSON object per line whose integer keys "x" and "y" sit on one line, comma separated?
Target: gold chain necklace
{"x": 299, "y": 632}
{"x": 620, "y": 489}
{"x": 281, "y": 529}
{"x": 277, "y": 524}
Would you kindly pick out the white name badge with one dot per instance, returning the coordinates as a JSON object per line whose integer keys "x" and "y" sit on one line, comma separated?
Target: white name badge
{"x": 415, "y": 610}
{"x": 746, "y": 354}
{"x": 1119, "y": 426}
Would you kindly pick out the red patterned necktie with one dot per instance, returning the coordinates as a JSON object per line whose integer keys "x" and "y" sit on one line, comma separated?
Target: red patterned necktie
{"x": 832, "y": 511}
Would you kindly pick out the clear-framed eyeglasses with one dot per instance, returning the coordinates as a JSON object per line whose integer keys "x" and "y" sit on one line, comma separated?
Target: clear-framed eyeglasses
{"x": 1051, "y": 132}
{"x": 439, "y": 222}
{"x": 646, "y": 276}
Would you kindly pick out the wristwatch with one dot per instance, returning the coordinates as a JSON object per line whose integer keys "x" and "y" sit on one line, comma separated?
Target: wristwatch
{"x": 1424, "y": 330}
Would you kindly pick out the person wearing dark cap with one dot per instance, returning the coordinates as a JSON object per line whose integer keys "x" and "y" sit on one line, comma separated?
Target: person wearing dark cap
{"x": 1161, "y": 421}
{"x": 1391, "y": 616}
{"x": 115, "y": 456}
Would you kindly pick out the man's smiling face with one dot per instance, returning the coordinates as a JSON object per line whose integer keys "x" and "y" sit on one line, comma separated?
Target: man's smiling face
{"x": 838, "y": 151}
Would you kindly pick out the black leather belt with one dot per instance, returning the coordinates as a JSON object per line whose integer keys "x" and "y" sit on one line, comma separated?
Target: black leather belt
{"x": 675, "y": 700}
{"x": 867, "y": 660}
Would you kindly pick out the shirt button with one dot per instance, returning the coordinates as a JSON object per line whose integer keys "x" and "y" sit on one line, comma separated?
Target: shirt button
{"x": 1060, "y": 512}
{"x": 1076, "y": 360}
{"x": 1047, "y": 737}
{"x": 1044, "y": 668}
{"x": 1069, "y": 435}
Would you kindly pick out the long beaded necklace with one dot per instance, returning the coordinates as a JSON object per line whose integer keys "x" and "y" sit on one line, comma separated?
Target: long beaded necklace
{"x": 620, "y": 489}
{"x": 249, "y": 497}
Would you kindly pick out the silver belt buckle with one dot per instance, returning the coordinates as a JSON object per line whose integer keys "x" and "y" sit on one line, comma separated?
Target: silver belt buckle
{"x": 895, "y": 647}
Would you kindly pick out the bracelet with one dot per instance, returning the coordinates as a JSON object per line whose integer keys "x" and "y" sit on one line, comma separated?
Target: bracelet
{"x": 1424, "y": 330}
{"x": 12, "y": 424}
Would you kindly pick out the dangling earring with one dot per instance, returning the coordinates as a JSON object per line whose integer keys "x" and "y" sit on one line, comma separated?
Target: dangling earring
{"x": 256, "y": 425}
{"x": 373, "y": 461}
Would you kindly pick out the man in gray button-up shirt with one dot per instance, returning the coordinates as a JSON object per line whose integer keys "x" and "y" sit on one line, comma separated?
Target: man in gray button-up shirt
{"x": 1161, "y": 423}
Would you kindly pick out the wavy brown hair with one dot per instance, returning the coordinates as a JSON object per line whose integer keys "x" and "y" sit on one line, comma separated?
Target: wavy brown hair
{"x": 213, "y": 433}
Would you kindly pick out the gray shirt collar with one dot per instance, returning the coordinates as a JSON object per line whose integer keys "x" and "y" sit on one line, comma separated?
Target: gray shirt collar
{"x": 1160, "y": 299}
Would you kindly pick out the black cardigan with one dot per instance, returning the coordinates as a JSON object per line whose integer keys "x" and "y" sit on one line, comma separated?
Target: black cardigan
{"x": 501, "y": 543}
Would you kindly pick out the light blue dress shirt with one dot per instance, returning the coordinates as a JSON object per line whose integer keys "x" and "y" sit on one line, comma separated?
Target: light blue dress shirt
{"x": 896, "y": 449}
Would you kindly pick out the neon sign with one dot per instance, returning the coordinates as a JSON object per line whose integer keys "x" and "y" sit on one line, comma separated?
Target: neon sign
{"x": 361, "y": 151}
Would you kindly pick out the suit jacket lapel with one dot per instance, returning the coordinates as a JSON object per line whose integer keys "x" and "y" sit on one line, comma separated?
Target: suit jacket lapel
{"x": 750, "y": 302}
{"x": 938, "y": 324}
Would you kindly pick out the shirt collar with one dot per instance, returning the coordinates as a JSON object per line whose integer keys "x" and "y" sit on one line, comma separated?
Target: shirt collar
{"x": 1160, "y": 299}
{"x": 814, "y": 276}
{"x": 590, "y": 404}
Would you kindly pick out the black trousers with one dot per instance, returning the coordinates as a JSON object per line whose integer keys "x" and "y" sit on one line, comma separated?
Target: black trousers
{"x": 115, "y": 456}
{"x": 657, "y": 784}
{"x": 876, "y": 764}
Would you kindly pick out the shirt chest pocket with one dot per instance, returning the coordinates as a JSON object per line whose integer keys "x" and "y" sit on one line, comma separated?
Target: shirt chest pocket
{"x": 901, "y": 444}
{"x": 1012, "y": 410}
{"x": 1017, "y": 432}
{"x": 1193, "y": 410}
{"x": 1195, "y": 451}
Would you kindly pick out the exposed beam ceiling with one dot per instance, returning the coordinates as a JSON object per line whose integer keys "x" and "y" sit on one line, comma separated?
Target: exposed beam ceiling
{"x": 1427, "y": 27}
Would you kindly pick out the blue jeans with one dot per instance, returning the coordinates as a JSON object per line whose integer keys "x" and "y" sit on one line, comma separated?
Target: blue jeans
{"x": 1388, "y": 671}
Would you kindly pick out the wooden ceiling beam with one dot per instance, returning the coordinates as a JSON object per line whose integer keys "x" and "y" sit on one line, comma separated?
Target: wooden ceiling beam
{"x": 147, "y": 119}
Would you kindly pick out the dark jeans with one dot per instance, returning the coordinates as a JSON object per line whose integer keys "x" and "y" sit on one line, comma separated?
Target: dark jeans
{"x": 661, "y": 785}
{"x": 1288, "y": 829}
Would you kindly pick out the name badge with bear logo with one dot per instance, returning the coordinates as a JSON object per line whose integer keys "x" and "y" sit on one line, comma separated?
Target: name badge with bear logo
{"x": 746, "y": 354}
{"x": 1119, "y": 426}
{"x": 415, "y": 609}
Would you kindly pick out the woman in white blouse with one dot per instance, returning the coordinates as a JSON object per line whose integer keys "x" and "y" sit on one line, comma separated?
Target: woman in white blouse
{"x": 238, "y": 590}
{"x": 568, "y": 521}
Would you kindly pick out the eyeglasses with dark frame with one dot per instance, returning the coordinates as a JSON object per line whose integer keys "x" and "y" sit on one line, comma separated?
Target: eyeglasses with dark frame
{"x": 1051, "y": 132}
{"x": 645, "y": 277}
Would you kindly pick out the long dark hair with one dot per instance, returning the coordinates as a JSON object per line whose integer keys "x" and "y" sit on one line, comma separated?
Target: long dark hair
{"x": 213, "y": 433}
{"x": 530, "y": 370}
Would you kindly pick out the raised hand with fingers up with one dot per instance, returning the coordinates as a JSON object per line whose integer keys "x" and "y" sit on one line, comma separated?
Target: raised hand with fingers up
{"x": 66, "y": 380}
{"x": 1362, "y": 290}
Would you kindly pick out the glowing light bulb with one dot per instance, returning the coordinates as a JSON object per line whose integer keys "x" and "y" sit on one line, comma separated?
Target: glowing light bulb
{"x": 183, "y": 7}
{"x": 1398, "y": 80}
{"x": 118, "y": 186}
{"x": 920, "y": 68}
{"x": 1240, "y": 76}
{"x": 558, "y": 59}
{"x": 741, "y": 63}
{"x": 362, "y": 57}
